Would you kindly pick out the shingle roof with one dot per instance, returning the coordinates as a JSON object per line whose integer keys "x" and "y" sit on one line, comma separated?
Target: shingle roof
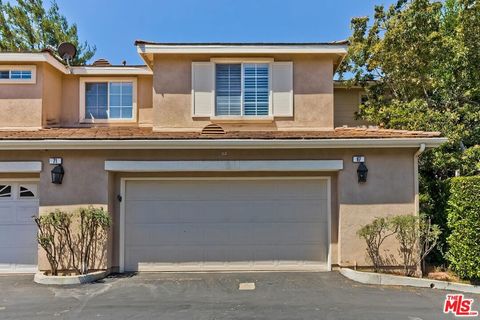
{"x": 135, "y": 133}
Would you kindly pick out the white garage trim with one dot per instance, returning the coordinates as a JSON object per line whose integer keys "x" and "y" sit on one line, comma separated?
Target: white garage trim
{"x": 123, "y": 202}
{"x": 216, "y": 166}
{"x": 20, "y": 166}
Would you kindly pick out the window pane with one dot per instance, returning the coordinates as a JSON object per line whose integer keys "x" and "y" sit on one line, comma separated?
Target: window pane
{"x": 256, "y": 89}
{"x": 4, "y": 74}
{"x": 26, "y": 74}
{"x": 127, "y": 88}
{"x": 115, "y": 112}
{"x": 115, "y": 87}
{"x": 115, "y": 100}
{"x": 228, "y": 85}
{"x": 26, "y": 192}
{"x": 126, "y": 100}
{"x": 5, "y": 191}
{"x": 127, "y": 113}
{"x": 15, "y": 74}
{"x": 121, "y": 101}
{"x": 96, "y": 100}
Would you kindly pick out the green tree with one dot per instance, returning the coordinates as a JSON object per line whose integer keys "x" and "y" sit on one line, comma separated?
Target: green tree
{"x": 28, "y": 26}
{"x": 425, "y": 59}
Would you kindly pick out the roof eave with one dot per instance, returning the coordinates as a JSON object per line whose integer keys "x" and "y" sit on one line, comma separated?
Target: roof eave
{"x": 221, "y": 143}
{"x": 145, "y": 48}
{"x": 79, "y": 70}
{"x": 26, "y": 57}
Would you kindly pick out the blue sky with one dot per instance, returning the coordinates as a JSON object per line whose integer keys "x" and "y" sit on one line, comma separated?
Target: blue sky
{"x": 113, "y": 25}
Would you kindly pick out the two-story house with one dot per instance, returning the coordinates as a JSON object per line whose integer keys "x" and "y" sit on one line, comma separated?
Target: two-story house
{"x": 211, "y": 156}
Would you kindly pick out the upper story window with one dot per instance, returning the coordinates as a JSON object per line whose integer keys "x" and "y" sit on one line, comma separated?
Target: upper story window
{"x": 17, "y": 74}
{"x": 104, "y": 100}
{"x": 242, "y": 89}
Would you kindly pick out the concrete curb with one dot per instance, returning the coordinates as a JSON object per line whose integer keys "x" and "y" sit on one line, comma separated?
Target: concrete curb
{"x": 391, "y": 280}
{"x": 41, "y": 278}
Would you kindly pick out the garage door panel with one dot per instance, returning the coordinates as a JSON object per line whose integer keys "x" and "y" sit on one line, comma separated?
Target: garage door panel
{"x": 229, "y": 211}
{"x": 7, "y": 210}
{"x": 292, "y": 233}
{"x": 25, "y": 213}
{"x": 222, "y": 189}
{"x": 24, "y": 236}
{"x": 226, "y": 225}
{"x": 292, "y": 254}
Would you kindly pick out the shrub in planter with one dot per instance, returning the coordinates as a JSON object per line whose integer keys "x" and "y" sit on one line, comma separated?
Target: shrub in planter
{"x": 415, "y": 235}
{"x": 70, "y": 240}
{"x": 51, "y": 238}
{"x": 374, "y": 235}
{"x": 464, "y": 222}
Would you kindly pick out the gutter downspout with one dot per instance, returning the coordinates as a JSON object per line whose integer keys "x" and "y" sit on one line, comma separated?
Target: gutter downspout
{"x": 420, "y": 266}
{"x": 415, "y": 177}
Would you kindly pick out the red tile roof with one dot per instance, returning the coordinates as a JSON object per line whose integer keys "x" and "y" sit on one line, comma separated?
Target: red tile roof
{"x": 134, "y": 133}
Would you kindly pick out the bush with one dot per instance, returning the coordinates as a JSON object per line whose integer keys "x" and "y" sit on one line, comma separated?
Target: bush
{"x": 464, "y": 221}
{"x": 51, "y": 238}
{"x": 416, "y": 238}
{"x": 67, "y": 246}
{"x": 374, "y": 235}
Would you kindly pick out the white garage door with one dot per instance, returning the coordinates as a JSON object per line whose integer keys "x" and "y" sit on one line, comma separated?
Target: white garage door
{"x": 193, "y": 225}
{"x": 18, "y": 244}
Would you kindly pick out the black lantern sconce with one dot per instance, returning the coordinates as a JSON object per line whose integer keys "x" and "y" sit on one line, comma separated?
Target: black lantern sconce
{"x": 362, "y": 172}
{"x": 57, "y": 174}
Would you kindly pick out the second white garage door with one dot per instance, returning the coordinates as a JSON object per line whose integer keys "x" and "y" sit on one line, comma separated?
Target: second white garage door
{"x": 228, "y": 224}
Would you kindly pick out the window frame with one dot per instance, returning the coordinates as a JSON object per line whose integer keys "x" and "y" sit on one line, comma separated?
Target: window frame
{"x": 108, "y": 80}
{"x": 242, "y": 62}
{"x": 10, "y": 68}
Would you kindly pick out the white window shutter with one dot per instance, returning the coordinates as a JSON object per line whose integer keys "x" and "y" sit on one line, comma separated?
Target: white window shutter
{"x": 282, "y": 89}
{"x": 203, "y": 87}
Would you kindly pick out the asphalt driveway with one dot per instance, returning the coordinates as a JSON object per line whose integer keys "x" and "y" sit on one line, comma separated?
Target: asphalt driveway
{"x": 217, "y": 296}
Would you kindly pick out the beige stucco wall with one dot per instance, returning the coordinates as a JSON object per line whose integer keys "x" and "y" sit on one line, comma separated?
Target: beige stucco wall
{"x": 389, "y": 189}
{"x": 52, "y": 95}
{"x": 346, "y": 103}
{"x": 312, "y": 87}
{"x": 164, "y": 99}
{"x": 21, "y": 104}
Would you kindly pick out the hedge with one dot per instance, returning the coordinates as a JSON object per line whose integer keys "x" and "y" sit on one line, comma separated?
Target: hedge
{"x": 464, "y": 222}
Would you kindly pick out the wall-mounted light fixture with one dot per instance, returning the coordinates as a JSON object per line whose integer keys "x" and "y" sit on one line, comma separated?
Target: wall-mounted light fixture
{"x": 57, "y": 174}
{"x": 362, "y": 172}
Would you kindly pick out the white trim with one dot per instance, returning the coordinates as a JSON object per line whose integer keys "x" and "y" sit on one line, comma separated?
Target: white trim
{"x": 85, "y": 80}
{"x": 121, "y": 238}
{"x": 241, "y": 60}
{"x": 220, "y": 144}
{"x": 242, "y": 49}
{"x": 329, "y": 223}
{"x": 22, "y": 67}
{"x": 242, "y": 119}
{"x": 34, "y": 57}
{"x": 20, "y": 167}
{"x": 224, "y": 166}
{"x": 112, "y": 71}
{"x": 19, "y": 180}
